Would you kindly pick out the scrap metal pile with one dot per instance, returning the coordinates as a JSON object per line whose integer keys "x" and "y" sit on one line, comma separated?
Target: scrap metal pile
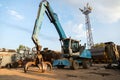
{"x": 109, "y": 53}
{"x": 50, "y": 55}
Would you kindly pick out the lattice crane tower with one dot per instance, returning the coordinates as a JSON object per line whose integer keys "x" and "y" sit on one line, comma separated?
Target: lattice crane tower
{"x": 87, "y": 9}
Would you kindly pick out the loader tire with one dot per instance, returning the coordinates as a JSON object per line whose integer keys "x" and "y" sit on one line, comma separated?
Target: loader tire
{"x": 75, "y": 65}
{"x": 85, "y": 64}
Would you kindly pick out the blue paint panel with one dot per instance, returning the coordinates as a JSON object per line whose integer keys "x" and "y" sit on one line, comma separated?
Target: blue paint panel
{"x": 86, "y": 54}
{"x": 64, "y": 62}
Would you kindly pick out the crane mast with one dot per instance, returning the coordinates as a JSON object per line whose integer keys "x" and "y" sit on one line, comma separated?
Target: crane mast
{"x": 87, "y": 9}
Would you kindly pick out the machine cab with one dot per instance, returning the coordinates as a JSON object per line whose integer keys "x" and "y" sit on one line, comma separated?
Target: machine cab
{"x": 70, "y": 46}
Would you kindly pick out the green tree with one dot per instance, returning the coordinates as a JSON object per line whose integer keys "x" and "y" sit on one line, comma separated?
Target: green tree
{"x": 22, "y": 47}
{"x": 98, "y": 45}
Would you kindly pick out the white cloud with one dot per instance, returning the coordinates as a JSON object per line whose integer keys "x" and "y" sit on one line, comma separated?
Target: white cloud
{"x": 73, "y": 2}
{"x": 78, "y": 30}
{"x": 106, "y": 11}
{"x": 108, "y": 14}
{"x": 75, "y": 30}
{"x": 15, "y": 14}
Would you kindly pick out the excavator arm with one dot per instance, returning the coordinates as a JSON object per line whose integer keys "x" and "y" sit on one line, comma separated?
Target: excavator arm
{"x": 44, "y": 7}
{"x": 38, "y": 24}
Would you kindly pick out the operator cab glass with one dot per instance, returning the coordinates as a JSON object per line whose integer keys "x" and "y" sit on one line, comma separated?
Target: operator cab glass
{"x": 70, "y": 44}
{"x": 74, "y": 46}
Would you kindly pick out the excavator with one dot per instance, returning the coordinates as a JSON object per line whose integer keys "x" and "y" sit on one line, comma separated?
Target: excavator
{"x": 73, "y": 54}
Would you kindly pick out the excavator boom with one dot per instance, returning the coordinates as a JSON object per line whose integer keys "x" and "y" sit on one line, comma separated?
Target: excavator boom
{"x": 44, "y": 7}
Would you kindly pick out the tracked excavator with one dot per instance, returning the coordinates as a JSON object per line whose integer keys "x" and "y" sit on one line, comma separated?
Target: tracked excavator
{"x": 73, "y": 54}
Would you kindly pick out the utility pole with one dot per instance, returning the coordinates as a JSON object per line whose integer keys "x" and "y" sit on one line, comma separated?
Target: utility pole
{"x": 87, "y": 9}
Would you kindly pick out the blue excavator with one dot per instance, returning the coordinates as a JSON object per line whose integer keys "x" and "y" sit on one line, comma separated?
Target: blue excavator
{"x": 73, "y": 54}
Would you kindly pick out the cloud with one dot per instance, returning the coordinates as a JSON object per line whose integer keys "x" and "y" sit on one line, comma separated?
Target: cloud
{"x": 78, "y": 30}
{"x": 73, "y": 2}
{"x": 105, "y": 11}
{"x": 109, "y": 15}
{"x": 15, "y": 14}
{"x": 75, "y": 30}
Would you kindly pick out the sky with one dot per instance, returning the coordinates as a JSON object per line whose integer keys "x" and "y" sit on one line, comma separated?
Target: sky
{"x": 17, "y": 19}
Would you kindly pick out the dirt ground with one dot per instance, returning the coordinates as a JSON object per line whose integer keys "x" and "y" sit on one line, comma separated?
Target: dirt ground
{"x": 96, "y": 72}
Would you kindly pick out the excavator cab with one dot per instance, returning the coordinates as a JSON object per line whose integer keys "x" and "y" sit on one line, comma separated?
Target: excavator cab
{"x": 70, "y": 46}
